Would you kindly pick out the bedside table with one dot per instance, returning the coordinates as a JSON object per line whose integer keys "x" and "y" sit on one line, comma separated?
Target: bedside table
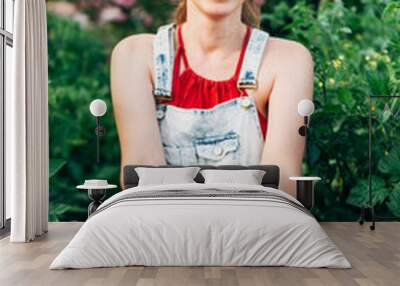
{"x": 96, "y": 192}
{"x": 305, "y": 190}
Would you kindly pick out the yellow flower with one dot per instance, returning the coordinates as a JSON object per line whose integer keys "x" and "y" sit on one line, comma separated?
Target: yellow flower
{"x": 336, "y": 63}
{"x": 347, "y": 45}
{"x": 387, "y": 59}
{"x": 375, "y": 55}
{"x": 373, "y": 64}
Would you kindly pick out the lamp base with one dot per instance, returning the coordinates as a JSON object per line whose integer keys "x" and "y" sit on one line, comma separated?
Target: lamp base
{"x": 305, "y": 193}
{"x": 367, "y": 214}
{"x": 97, "y": 196}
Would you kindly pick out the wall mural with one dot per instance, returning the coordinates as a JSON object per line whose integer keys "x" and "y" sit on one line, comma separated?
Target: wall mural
{"x": 356, "y": 53}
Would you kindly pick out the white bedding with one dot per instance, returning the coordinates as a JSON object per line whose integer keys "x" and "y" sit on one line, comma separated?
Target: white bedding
{"x": 183, "y": 231}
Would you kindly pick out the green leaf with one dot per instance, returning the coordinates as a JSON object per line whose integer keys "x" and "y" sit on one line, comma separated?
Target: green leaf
{"x": 345, "y": 30}
{"x": 313, "y": 153}
{"x": 391, "y": 13}
{"x": 394, "y": 201}
{"x": 55, "y": 165}
{"x": 378, "y": 82}
{"x": 386, "y": 115}
{"x": 338, "y": 124}
{"x": 359, "y": 194}
{"x": 361, "y": 131}
{"x": 390, "y": 164}
{"x": 345, "y": 97}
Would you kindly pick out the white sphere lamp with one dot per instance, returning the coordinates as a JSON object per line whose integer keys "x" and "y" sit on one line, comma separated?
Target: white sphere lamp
{"x": 98, "y": 108}
{"x": 305, "y": 108}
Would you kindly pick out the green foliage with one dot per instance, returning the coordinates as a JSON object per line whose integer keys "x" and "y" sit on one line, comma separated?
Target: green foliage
{"x": 55, "y": 165}
{"x": 390, "y": 164}
{"x": 78, "y": 73}
{"x": 356, "y": 54}
{"x": 356, "y": 50}
{"x": 359, "y": 194}
{"x": 394, "y": 201}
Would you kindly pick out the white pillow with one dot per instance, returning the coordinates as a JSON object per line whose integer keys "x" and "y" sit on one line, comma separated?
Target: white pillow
{"x": 248, "y": 177}
{"x": 162, "y": 176}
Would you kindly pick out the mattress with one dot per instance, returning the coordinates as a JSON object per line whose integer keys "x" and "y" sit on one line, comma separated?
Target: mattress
{"x": 201, "y": 225}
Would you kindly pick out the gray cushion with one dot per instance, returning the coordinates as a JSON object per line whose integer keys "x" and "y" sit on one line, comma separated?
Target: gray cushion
{"x": 162, "y": 175}
{"x": 248, "y": 177}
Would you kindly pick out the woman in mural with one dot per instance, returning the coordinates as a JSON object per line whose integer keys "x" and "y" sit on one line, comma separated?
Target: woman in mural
{"x": 211, "y": 89}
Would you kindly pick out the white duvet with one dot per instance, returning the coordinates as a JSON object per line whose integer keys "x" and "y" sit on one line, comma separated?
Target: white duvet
{"x": 183, "y": 231}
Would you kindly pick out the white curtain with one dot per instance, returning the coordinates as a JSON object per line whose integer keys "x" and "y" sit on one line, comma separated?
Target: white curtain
{"x": 27, "y": 124}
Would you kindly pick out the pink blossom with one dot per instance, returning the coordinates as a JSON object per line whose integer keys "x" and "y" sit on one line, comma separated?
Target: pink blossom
{"x": 82, "y": 19}
{"x": 112, "y": 14}
{"x": 125, "y": 3}
{"x": 62, "y": 8}
{"x": 259, "y": 2}
{"x": 148, "y": 20}
{"x": 94, "y": 4}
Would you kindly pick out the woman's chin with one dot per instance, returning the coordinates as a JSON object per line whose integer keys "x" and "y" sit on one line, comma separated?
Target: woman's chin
{"x": 217, "y": 9}
{"x": 217, "y": 16}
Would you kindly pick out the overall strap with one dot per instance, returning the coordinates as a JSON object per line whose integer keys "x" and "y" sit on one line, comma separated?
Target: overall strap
{"x": 252, "y": 59}
{"x": 163, "y": 57}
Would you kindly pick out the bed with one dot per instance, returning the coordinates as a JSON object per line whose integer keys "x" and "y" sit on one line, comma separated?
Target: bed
{"x": 198, "y": 224}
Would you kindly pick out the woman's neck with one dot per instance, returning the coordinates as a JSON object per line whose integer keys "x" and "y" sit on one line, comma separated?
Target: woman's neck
{"x": 210, "y": 34}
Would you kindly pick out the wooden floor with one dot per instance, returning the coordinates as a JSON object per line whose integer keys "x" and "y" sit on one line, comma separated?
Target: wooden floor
{"x": 375, "y": 257}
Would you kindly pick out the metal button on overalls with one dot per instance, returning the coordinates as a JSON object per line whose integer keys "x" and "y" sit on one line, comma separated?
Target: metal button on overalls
{"x": 218, "y": 150}
{"x": 245, "y": 102}
{"x": 160, "y": 114}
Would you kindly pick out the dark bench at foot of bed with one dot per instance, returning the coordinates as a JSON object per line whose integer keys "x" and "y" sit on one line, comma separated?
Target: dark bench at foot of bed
{"x": 271, "y": 177}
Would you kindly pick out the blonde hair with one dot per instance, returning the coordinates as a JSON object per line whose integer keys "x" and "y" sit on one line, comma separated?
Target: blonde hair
{"x": 250, "y": 13}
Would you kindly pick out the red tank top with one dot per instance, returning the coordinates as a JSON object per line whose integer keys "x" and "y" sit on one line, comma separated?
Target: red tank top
{"x": 190, "y": 90}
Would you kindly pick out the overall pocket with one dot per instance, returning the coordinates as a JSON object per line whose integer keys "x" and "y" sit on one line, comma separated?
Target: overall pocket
{"x": 180, "y": 155}
{"x": 219, "y": 149}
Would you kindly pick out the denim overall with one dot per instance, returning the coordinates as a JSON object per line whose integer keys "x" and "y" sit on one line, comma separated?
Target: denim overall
{"x": 228, "y": 133}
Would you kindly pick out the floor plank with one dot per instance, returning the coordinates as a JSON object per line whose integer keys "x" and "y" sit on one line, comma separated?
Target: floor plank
{"x": 375, "y": 257}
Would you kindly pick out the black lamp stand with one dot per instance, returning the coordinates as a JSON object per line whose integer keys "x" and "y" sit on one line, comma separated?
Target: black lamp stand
{"x": 100, "y": 132}
{"x": 369, "y": 208}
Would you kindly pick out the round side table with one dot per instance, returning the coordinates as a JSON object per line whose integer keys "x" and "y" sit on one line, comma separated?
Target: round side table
{"x": 96, "y": 194}
{"x": 305, "y": 190}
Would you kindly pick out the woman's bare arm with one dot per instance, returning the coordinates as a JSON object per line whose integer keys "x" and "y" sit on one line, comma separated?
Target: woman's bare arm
{"x": 293, "y": 69}
{"x": 133, "y": 102}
